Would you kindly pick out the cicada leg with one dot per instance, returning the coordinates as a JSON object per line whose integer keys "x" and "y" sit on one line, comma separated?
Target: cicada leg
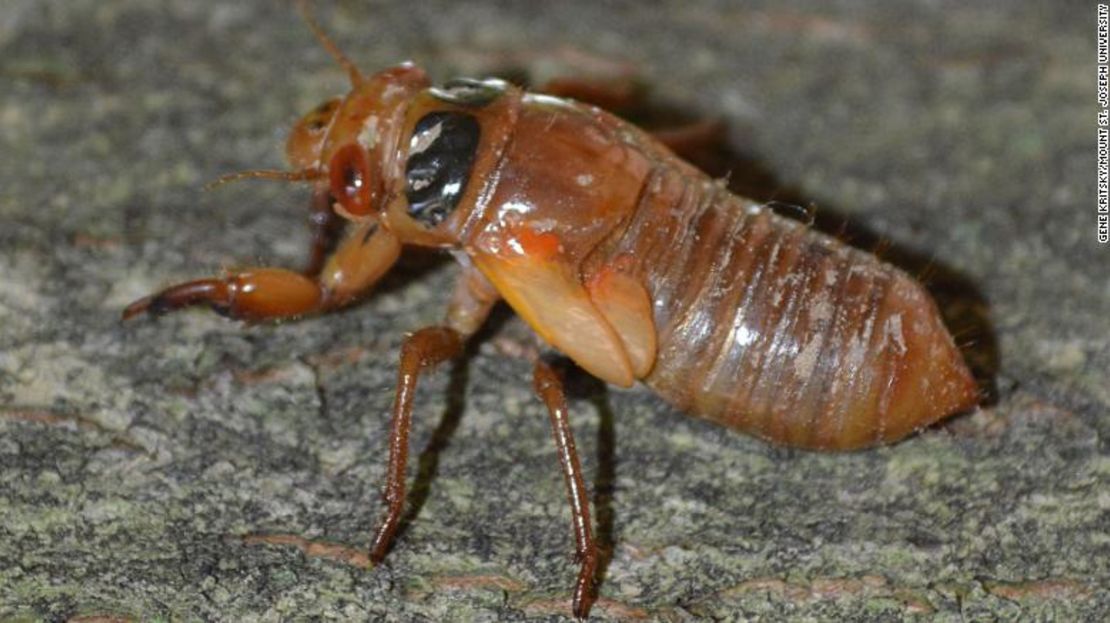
{"x": 276, "y": 293}
{"x": 470, "y": 305}
{"x": 324, "y": 224}
{"x": 420, "y": 351}
{"x": 697, "y": 141}
{"x": 549, "y": 387}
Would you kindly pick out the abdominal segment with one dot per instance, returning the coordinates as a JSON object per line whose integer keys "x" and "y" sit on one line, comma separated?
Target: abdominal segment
{"x": 769, "y": 327}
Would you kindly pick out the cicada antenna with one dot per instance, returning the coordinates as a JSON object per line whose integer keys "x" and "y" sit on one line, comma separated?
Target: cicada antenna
{"x": 267, "y": 174}
{"x": 329, "y": 45}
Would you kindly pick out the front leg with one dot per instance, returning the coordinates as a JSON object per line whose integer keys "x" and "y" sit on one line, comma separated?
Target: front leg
{"x": 325, "y": 225}
{"x": 276, "y": 293}
{"x": 256, "y": 294}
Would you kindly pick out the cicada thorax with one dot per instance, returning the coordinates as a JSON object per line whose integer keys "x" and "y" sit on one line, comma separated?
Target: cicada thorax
{"x": 455, "y": 137}
{"x": 563, "y": 183}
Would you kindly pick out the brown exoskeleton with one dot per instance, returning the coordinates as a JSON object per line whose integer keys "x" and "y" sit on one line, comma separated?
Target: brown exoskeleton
{"x": 618, "y": 253}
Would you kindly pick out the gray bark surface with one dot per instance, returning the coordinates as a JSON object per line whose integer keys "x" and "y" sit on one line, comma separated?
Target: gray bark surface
{"x": 193, "y": 468}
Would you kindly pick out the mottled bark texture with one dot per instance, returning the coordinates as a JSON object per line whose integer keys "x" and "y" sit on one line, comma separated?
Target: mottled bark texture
{"x": 192, "y": 468}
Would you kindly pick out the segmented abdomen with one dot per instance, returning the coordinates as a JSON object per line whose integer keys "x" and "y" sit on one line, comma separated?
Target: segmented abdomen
{"x": 768, "y": 326}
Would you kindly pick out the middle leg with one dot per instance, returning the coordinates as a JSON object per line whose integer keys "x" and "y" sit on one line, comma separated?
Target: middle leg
{"x": 549, "y": 387}
{"x": 470, "y": 305}
{"x": 420, "y": 351}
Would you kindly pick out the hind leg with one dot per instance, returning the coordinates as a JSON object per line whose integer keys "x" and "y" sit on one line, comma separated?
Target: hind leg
{"x": 697, "y": 141}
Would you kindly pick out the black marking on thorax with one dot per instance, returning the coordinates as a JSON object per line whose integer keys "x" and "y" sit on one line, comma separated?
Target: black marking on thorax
{"x": 442, "y": 151}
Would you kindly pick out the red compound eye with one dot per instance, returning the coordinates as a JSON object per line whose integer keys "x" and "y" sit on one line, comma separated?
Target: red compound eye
{"x": 349, "y": 179}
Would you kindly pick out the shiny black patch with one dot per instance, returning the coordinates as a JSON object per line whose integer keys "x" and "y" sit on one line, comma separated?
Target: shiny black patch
{"x": 441, "y": 153}
{"x": 470, "y": 92}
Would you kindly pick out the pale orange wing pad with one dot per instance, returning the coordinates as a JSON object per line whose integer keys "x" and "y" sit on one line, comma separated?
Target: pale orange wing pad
{"x": 626, "y": 305}
{"x": 548, "y": 295}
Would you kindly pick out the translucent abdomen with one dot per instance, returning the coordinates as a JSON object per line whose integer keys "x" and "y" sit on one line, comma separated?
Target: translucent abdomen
{"x": 767, "y": 326}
